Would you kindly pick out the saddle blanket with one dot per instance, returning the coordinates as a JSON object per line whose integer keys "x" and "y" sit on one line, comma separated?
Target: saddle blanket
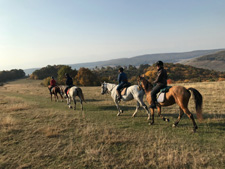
{"x": 162, "y": 94}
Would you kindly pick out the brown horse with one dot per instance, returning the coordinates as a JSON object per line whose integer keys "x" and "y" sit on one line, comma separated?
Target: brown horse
{"x": 55, "y": 91}
{"x": 176, "y": 94}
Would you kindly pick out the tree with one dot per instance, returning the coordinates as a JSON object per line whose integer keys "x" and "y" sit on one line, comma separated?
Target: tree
{"x": 62, "y": 71}
{"x": 85, "y": 77}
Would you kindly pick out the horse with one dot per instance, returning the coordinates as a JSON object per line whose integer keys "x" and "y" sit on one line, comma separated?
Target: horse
{"x": 72, "y": 93}
{"x": 176, "y": 94}
{"x": 55, "y": 91}
{"x": 133, "y": 92}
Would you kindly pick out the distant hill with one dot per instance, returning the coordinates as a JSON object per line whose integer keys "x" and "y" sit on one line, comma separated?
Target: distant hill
{"x": 215, "y": 61}
{"x": 142, "y": 59}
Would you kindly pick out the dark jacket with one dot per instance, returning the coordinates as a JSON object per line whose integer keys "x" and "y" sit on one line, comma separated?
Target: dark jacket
{"x": 161, "y": 76}
{"x": 122, "y": 77}
{"x": 69, "y": 81}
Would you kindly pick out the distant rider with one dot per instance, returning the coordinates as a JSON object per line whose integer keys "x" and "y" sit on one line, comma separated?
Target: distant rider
{"x": 69, "y": 83}
{"x": 160, "y": 82}
{"x": 122, "y": 79}
{"x": 52, "y": 84}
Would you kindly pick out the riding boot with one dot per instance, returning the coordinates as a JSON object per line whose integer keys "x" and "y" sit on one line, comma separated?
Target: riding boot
{"x": 119, "y": 97}
{"x": 153, "y": 105}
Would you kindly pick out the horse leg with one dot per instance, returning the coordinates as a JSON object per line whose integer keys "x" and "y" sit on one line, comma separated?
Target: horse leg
{"x": 56, "y": 97}
{"x": 179, "y": 117}
{"x": 51, "y": 96}
{"x": 137, "y": 107}
{"x": 152, "y": 117}
{"x": 190, "y": 115}
{"x": 81, "y": 102}
{"x": 68, "y": 102}
{"x": 145, "y": 107}
{"x": 118, "y": 108}
{"x": 160, "y": 115}
{"x": 61, "y": 97}
{"x": 74, "y": 101}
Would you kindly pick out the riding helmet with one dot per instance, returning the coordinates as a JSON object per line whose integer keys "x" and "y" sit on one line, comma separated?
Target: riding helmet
{"x": 121, "y": 69}
{"x": 159, "y": 63}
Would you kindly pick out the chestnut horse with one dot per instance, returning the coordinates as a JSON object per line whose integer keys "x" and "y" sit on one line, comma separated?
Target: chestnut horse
{"x": 55, "y": 91}
{"x": 176, "y": 94}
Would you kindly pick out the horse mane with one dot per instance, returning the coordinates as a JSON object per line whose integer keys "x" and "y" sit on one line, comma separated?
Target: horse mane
{"x": 148, "y": 86}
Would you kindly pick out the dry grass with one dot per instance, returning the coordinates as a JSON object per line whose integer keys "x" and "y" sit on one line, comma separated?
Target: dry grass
{"x": 38, "y": 133}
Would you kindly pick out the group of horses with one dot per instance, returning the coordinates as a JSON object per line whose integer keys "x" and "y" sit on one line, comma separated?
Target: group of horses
{"x": 176, "y": 95}
{"x": 71, "y": 94}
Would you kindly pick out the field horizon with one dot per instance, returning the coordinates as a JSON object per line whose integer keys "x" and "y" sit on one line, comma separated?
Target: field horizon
{"x": 38, "y": 133}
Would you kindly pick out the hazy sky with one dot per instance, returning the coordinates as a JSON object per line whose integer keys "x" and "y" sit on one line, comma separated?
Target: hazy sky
{"x": 37, "y": 33}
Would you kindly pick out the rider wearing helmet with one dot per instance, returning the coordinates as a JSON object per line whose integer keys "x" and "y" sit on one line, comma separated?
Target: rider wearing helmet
{"x": 69, "y": 83}
{"x": 160, "y": 82}
{"x": 122, "y": 79}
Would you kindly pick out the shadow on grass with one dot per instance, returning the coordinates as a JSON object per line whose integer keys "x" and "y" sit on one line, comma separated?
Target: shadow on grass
{"x": 92, "y": 100}
{"x": 124, "y": 108}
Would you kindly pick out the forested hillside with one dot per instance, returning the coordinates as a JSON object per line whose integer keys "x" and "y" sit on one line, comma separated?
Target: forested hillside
{"x": 214, "y": 61}
{"x": 88, "y": 77}
{"x": 11, "y": 75}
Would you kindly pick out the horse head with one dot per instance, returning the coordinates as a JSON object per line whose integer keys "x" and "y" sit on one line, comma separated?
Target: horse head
{"x": 144, "y": 83}
{"x": 104, "y": 88}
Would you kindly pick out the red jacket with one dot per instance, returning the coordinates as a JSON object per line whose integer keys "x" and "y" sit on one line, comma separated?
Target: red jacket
{"x": 53, "y": 82}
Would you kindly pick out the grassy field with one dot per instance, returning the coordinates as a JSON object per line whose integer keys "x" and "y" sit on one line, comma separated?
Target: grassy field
{"x": 38, "y": 133}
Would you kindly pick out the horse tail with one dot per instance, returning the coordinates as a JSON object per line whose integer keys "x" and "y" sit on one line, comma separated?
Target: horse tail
{"x": 81, "y": 94}
{"x": 198, "y": 102}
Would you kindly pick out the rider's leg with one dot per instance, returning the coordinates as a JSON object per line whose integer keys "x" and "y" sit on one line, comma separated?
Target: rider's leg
{"x": 120, "y": 86}
{"x": 154, "y": 91}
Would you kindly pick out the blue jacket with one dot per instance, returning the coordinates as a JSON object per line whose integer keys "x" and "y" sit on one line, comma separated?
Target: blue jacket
{"x": 122, "y": 77}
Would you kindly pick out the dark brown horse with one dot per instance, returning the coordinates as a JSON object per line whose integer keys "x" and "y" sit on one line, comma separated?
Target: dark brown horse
{"x": 55, "y": 91}
{"x": 176, "y": 94}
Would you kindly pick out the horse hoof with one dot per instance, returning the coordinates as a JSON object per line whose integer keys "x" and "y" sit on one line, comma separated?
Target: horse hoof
{"x": 167, "y": 120}
{"x": 174, "y": 125}
{"x": 121, "y": 111}
{"x": 151, "y": 123}
{"x": 118, "y": 114}
{"x": 70, "y": 107}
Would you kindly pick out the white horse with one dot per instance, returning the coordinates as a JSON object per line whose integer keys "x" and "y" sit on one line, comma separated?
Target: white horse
{"x": 133, "y": 92}
{"x": 72, "y": 93}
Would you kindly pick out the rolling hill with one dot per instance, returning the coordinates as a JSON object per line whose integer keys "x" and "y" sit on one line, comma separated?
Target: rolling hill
{"x": 215, "y": 61}
{"x": 142, "y": 59}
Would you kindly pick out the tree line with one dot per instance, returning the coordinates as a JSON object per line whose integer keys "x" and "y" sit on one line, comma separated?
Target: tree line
{"x": 94, "y": 77}
{"x": 11, "y": 75}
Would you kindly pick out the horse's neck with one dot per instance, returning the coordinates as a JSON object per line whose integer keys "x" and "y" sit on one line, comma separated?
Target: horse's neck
{"x": 110, "y": 86}
{"x": 147, "y": 86}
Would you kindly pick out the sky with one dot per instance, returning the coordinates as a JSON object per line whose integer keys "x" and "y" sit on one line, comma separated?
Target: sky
{"x": 37, "y": 33}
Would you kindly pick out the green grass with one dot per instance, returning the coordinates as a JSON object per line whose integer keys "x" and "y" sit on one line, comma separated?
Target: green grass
{"x": 38, "y": 133}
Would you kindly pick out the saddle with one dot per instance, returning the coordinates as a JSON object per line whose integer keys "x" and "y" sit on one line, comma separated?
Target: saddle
{"x": 162, "y": 94}
{"x": 124, "y": 89}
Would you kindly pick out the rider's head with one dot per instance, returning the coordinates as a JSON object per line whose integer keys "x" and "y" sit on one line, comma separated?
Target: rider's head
{"x": 121, "y": 69}
{"x": 159, "y": 63}
{"x": 66, "y": 74}
{"x": 52, "y": 77}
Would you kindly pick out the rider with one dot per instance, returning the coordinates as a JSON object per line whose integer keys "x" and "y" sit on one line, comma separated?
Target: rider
{"x": 52, "y": 84}
{"x": 160, "y": 82}
{"x": 69, "y": 83}
{"x": 122, "y": 79}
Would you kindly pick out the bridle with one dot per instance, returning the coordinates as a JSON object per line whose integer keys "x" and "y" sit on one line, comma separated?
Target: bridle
{"x": 104, "y": 88}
